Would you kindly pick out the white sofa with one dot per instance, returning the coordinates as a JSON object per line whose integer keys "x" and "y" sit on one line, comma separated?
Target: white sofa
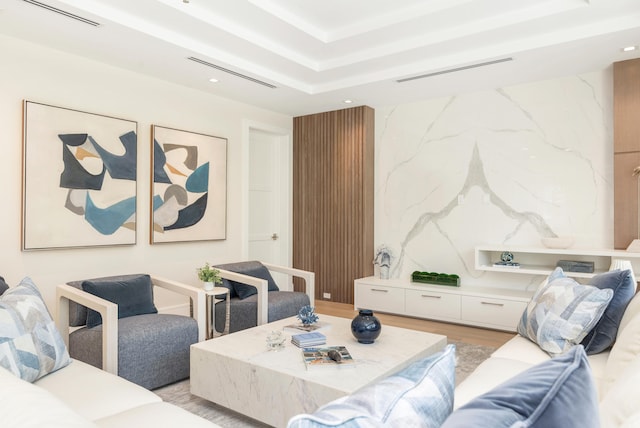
{"x": 40, "y": 386}
{"x": 616, "y": 372}
{"x": 80, "y": 395}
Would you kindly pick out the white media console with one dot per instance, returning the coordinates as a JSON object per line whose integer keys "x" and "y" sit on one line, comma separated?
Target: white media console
{"x": 497, "y": 308}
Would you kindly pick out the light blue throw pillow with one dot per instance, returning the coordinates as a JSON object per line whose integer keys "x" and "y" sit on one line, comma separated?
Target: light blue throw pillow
{"x": 557, "y": 393}
{"x": 604, "y": 333}
{"x": 562, "y": 313}
{"x": 556, "y": 274}
{"x": 30, "y": 345}
{"x": 419, "y": 395}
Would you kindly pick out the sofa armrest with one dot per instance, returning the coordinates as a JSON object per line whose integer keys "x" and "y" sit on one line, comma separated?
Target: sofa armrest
{"x": 109, "y": 312}
{"x": 307, "y": 276}
{"x": 261, "y": 285}
{"x": 198, "y": 301}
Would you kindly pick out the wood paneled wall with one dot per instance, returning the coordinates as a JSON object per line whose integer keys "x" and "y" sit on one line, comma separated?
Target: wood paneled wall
{"x": 333, "y": 190}
{"x": 626, "y": 137}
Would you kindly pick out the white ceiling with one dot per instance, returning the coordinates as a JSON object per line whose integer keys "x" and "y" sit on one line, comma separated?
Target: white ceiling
{"x": 318, "y": 53}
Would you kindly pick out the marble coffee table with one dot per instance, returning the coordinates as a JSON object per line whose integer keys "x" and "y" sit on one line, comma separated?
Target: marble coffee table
{"x": 238, "y": 371}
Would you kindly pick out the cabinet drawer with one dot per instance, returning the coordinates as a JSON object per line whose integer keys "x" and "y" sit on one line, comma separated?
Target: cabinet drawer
{"x": 492, "y": 312}
{"x": 431, "y": 304}
{"x": 379, "y": 298}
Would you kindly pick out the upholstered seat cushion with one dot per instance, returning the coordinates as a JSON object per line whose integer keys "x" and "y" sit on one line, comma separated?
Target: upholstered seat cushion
{"x": 244, "y": 312}
{"x": 94, "y": 394}
{"x": 147, "y": 355}
{"x": 24, "y": 405}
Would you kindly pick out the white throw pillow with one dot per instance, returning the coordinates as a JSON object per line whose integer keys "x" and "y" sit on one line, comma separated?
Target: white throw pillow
{"x": 633, "y": 309}
{"x": 621, "y": 402}
{"x": 24, "y": 405}
{"x": 623, "y": 353}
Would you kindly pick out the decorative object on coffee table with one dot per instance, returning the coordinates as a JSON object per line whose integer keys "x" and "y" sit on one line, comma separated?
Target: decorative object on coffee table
{"x": 383, "y": 260}
{"x": 210, "y": 276}
{"x": 307, "y": 315}
{"x": 275, "y": 340}
{"x": 366, "y": 327}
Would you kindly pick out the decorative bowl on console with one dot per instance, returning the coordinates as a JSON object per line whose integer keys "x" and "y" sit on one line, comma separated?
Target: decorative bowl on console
{"x": 558, "y": 242}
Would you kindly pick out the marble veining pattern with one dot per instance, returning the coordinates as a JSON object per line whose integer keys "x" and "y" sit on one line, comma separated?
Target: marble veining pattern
{"x": 508, "y": 166}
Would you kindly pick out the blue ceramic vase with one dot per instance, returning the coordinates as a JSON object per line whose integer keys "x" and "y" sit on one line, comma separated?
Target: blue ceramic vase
{"x": 365, "y": 326}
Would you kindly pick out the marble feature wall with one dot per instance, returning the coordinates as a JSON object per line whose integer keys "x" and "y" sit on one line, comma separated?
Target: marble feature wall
{"x": 507, "y": 166}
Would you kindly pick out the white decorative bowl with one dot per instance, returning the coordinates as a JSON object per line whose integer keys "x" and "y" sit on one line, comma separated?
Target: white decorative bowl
{"x": 559, "y": 242}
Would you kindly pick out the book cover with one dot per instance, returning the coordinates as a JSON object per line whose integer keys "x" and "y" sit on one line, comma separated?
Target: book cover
{"x": 308, "y": 339}
{"x": 328, "y": 356}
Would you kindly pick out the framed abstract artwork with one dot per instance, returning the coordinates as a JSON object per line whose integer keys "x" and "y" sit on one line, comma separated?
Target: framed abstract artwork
{"x": 189, "y": 186}
{"x": 79, "y": 178}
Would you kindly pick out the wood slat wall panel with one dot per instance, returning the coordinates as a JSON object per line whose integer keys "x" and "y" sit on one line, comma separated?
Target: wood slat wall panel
{"x": 626, "y": 137}
{"x": 333, "y": 157}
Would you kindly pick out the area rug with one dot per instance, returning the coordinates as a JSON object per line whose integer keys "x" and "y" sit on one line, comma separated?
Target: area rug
{"x": 468, "y": 358}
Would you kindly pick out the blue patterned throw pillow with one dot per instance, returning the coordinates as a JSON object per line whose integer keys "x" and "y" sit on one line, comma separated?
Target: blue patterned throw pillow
{"x": 419, "y": 395}
{"x": 30, "y": 345}
{"x": 562, "y": 313}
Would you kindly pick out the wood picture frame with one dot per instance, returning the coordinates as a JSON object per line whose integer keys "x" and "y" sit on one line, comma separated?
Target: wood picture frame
{"x": 188, "y": 186}
{"x": 79, "y": 178}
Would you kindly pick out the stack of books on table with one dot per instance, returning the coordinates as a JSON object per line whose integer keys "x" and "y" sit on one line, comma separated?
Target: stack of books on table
{"x": 305, "y": 340}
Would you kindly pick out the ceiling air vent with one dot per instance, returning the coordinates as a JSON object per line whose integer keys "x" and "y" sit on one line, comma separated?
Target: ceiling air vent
{"x": 235, "y": 73}
{"x": 63, "y": 12}
{"x": 453, "y": 70}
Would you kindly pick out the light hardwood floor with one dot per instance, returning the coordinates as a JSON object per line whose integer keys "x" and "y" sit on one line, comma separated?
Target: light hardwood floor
{"x": 462, "y": 333}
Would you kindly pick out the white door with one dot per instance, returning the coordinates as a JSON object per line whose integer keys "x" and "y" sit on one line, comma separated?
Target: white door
{"x": 268, "y": 204}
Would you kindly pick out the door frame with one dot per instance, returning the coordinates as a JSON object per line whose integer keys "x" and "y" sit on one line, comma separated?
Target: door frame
{"x": 284, "y": 138}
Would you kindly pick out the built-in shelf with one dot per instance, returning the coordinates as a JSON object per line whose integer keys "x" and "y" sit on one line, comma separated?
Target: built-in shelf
{"x": 542, "y": 261}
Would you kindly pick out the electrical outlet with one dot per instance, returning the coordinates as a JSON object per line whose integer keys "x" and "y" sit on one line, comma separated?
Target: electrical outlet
{"x": 326, "y": 296}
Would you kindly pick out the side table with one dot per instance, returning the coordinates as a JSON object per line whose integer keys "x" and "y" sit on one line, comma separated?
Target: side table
{"x": 211, "y": 311}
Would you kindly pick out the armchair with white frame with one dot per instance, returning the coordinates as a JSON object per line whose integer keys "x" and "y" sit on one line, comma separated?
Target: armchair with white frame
{"x": 117, "y": 344}
{"x": 255, "y": 297}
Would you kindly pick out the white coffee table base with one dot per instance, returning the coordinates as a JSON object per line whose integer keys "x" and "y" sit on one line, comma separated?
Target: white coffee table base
{"x": 238, "y": 372}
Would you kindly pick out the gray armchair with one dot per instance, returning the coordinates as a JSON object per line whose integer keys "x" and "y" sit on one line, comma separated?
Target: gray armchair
{"x": 149, "y": 349}
{"x": 256, "y": 298}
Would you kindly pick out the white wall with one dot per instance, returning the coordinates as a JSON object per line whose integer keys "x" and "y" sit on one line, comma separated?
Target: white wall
{"x": 526, "y": 161}
{"x": 34, "y": 73}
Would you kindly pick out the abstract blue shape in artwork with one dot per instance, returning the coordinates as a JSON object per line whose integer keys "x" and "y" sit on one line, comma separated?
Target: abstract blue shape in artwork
{"x": 159, "y": 161}
{"x": 74, "y": 175}
{"x": 157, "y": 202}
{"x": 198, "y": 182}
{"x": 108, "y": 220}
{"x": 120, "y": 167}
{"x": 191, "y": 214}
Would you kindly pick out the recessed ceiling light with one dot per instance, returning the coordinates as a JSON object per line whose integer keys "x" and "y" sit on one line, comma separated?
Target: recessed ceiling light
{"x": 629, "y": 48}
{"x": 213, "y": 80}
{"x": 347, "y": 101}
